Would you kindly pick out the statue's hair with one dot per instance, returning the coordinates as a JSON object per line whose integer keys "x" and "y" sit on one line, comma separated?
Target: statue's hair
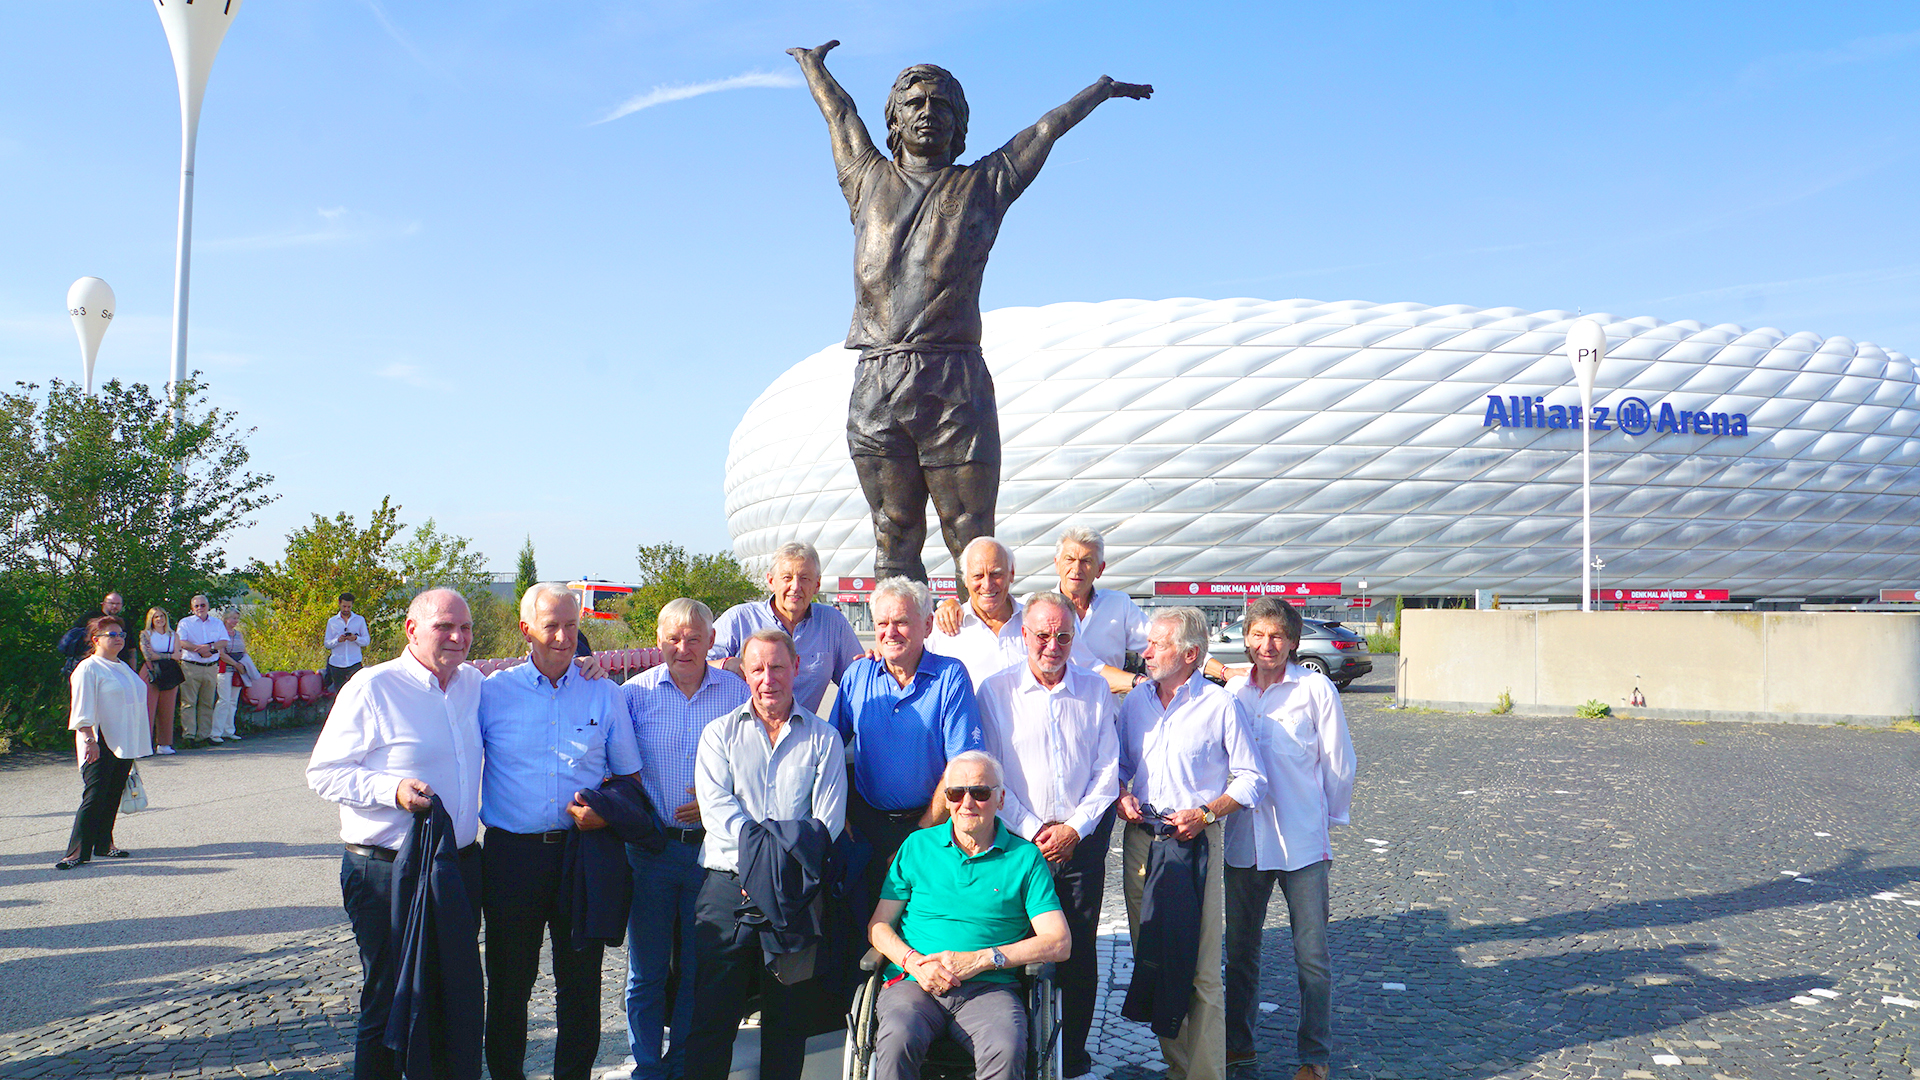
{"x": 947, "y": 86}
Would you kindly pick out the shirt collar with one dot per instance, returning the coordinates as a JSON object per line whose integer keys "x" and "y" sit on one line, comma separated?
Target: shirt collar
{"x": 1031, "y": 682}
{"x": 775, "y": 615}
{"x": 999, "y": 840}
{"x": 532, "y": 673}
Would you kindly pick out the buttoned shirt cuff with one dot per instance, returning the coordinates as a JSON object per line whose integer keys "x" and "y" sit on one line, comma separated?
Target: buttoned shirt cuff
{"x": 1341, "y": 820}
{"x": 1021, "y": 822}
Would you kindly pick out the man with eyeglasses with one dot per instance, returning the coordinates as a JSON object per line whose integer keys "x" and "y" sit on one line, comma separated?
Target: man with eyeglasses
{"x": 1051, "y": 723}
{"x": 964, "y": 907}
{"x": 1187, "y": 759}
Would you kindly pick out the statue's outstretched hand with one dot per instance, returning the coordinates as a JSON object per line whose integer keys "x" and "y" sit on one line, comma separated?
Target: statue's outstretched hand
{"x": 820, "y": 52}
{"x": 1137, "y": 91}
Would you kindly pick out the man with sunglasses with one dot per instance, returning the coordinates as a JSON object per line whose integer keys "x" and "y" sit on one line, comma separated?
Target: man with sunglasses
{"x": 965, "y": 905}
{"x": 1051, "y": 722}
{"x": 1187, "y": 759}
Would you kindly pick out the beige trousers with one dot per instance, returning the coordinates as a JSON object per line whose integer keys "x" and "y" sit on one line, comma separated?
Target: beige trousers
{"x": 1200, "y": 1051}
{"x": 197, "y": 698}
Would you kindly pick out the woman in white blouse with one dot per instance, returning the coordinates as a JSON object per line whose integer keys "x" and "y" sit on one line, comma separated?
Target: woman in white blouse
{"x": 109, "y": 721}
{"x": 162, "y": 650}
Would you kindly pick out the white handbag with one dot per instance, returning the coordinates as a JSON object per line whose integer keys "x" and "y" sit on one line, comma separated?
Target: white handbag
{"x": 134, "y": 797}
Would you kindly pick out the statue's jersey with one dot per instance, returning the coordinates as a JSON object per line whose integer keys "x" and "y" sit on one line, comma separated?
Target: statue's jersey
{"x": 920, "y": 244}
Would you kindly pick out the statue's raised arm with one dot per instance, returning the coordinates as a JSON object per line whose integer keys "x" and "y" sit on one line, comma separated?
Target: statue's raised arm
{"x": 844, "y": 126}
{"x": 1029, "y": 149}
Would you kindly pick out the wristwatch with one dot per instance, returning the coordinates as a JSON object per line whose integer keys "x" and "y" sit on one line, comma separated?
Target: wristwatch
{"x": 1207, "y": 815}
{"x": 999, "y": 958}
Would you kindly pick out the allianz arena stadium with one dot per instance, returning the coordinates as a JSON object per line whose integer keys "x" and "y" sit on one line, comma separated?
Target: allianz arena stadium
{"x": 1433, "y": 451}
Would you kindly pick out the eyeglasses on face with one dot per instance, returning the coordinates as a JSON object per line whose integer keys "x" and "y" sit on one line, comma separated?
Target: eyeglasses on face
{"x": 110, "y": 633}
{"x": 980, "y": 792}
{"x": 1064, "y": 637}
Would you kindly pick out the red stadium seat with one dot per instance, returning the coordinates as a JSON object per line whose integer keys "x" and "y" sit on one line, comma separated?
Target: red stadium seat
{"x": 286, "y": 687}
{"x": 307, "y": 686}
{"x": 258, "y": 696}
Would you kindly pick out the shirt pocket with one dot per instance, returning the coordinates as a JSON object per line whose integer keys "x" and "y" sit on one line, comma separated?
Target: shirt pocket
{"x": 1292, "y": 738}
{"x": 577, "y": 745}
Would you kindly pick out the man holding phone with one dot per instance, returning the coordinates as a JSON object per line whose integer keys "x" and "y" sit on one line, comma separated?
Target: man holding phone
{"x": 346, "y": 636}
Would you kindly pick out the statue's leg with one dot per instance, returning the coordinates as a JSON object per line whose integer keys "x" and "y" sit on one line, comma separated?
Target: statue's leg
{"x": 896, "y": 489}
{"x": 964, "y": 497}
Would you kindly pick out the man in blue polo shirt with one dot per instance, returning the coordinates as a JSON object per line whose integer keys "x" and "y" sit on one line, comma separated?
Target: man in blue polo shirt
{"x": 546, "y": 732}
{"x": 964, "y": 907}
{"x": 904, "y": 714}
{"x": 825, "y": 640}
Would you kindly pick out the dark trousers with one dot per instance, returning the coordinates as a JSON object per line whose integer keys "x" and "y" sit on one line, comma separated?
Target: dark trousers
{"x": 524, "y": 902}
{"x": 336, "y": 677}
{"x": 1081, "y": 883}
{"x": 728, "y": 968}
{"x": 884, "y": 831}
{"x": 103, "y": 781}
{"x": 366, "y": 891}
{"x": 1248, "y": 892}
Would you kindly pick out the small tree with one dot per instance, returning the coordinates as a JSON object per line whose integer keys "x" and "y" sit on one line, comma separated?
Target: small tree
{"x": 667, "y": 571}
{"x": 323, "y": 559}
{"x": 527, "y": 575}
{"x": 433, "y": 559}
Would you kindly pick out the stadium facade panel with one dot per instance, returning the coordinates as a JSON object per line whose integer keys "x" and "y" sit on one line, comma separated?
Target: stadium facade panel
{"x": 1430, "y": 450}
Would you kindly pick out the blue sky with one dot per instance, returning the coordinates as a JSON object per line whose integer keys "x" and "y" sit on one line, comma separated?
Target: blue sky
{"x": 428, "y": 265}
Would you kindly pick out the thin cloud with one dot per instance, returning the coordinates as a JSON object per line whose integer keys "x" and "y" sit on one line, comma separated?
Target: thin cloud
{"x": 401, "y": 39}
{"x": 661, "y": 95}
{"x": 410, "y": 374}
{"x": 338, "y": 226}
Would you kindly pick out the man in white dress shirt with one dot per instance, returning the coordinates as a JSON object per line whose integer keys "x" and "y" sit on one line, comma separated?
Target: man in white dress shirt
{"x": 345, "y": 638}
{"x": 1302, "y": 734}
{"x": 203, "y": 645}
{"x": 987, "y": 636}
{"x": 409, "y": 729}
{"x": 1050, "y": 722}
{"x": 1187, "y": 759}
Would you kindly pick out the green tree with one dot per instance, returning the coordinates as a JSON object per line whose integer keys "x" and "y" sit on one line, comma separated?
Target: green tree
{"x": 527, "y": 575}
{"x": 323, "y": 559}
{"x": 107, "y": 492}
{"x": 433, "y": 559}
{"x": 667, "y": 571}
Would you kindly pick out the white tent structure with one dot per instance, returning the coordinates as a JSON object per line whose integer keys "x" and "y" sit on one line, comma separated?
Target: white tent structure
{"x": 1302, "y": 440}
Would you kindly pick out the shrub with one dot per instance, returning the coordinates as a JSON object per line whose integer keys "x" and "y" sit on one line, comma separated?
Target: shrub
{"x": 1594, "y": 709}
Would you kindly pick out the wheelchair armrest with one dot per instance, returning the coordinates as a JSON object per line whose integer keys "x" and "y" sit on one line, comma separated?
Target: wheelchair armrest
{"x": 1040, "y": 971}
{"x": 872, "y": 961}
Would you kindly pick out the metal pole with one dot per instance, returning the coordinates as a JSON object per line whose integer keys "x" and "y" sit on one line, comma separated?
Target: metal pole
{"x": 1586, "y": 502}
{"x": 182, "y": 265}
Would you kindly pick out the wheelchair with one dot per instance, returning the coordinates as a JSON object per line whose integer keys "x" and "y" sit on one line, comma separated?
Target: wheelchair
{"x": 945, "y": 1058}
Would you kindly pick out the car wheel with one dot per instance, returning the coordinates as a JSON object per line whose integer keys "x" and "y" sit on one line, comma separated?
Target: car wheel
{"x": 1314, "y": 664}
{"x": 1343, "y": 684}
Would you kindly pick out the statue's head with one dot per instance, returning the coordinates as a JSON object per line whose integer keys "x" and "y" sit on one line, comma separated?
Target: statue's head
{"x": 923, "y": 88}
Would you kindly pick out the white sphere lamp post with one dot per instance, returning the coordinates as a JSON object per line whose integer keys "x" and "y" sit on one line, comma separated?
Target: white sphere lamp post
{"x": 1586, "y": 347}
{"x": 194, "y": 33}
{"x": 90, "y": 304}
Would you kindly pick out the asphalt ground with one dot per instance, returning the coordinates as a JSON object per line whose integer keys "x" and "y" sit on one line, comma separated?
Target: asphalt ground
{"x": 1516, "y": 897}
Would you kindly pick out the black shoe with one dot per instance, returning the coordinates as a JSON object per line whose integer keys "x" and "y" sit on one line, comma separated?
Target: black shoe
{"x": 116, "y": 853}
{"x": 68, "y": 863}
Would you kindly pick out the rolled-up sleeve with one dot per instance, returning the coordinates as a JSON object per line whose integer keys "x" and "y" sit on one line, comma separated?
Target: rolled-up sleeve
{"x": 1247, "y": 777}
{"x": 337, "y": 772}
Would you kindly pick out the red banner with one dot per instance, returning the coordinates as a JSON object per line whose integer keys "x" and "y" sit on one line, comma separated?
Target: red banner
{"x": 1235, "y": 590}
{"x": 1631, "y": 595}
{"x": 1362, "y": 602}
{"x": 942, "y": 586}
{"x": 1900, "y": 596}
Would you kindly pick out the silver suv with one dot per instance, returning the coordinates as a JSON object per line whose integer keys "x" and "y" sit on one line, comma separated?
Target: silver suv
{"x": 1326, "y": 647}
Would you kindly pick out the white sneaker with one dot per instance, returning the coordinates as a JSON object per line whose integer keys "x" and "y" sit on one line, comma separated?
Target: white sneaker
{"x": 235, "y": 737}
{"x": 215, "y": 739}
{"x": 163, "y": 749}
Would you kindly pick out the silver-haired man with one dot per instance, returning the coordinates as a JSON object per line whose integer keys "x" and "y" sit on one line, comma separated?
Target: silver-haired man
{"x": 824, "y": 638}
{"x": 1187, "y": 759}
{"x": 987, "y": 638}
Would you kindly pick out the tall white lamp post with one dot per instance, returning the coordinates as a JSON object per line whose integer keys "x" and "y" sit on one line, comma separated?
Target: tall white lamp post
{"x": 1586, "y": 347}
{"x": 90, "y": 304}
{"x": 194, "y": 33}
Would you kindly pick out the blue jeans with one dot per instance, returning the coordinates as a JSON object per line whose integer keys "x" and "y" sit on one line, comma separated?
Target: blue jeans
{"x": 1248, "y": 892}
{"x": 664, "y": 888}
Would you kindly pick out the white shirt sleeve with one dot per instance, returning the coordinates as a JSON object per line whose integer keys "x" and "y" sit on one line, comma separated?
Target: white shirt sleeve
{"x": 335, "y": 771}
{"x": 1336, "y": 759}
{"x": 1105, "y": 785}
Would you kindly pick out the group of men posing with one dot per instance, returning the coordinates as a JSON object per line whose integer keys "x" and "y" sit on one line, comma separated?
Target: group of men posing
{"x": 978, "y": 768}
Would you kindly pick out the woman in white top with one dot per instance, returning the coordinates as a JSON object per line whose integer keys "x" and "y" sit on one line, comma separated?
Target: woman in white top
{"x": 109, "y": 721}
{"x": 158, "y": 644}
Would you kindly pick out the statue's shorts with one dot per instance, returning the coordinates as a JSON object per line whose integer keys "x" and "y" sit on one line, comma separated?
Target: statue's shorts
{"x": 932, "y": 404}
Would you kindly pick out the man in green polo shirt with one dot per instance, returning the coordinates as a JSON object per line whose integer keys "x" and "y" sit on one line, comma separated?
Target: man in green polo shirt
{"x": 965, "y": 906}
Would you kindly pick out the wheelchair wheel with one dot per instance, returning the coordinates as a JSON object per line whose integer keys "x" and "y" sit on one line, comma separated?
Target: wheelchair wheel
{"x": 856, "y": 1058}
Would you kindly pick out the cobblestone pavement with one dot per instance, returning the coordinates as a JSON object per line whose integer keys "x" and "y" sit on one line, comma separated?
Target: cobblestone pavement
{"x": 1516, "y": 897}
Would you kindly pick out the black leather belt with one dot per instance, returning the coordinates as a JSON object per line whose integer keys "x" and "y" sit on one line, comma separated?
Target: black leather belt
{"x": 685, "y": 836}
{"x": 385, "y": 854}
{"x": 551, "y": 836}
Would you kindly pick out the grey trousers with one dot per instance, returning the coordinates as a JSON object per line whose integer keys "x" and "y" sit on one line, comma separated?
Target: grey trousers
{"x": 1248, "y": 892}
{"x": 988, "y": 1019}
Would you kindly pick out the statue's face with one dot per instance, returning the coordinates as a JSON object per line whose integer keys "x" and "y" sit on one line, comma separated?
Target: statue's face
{"x": 925, "y": 119}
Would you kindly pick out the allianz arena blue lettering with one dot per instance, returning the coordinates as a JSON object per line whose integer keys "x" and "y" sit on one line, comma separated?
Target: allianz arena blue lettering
{"x": 1632, "y": 417}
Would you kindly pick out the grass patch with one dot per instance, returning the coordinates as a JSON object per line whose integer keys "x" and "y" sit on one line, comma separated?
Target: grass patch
{"x": 1504, "y": 704}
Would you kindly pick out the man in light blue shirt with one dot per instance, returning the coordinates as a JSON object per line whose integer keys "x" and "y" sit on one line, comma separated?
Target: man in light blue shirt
{"x": 905, "y": 713}
{"x": 669, "y": 706}
{"x": 547, "y": 732}
{"x": 825, "y": 640}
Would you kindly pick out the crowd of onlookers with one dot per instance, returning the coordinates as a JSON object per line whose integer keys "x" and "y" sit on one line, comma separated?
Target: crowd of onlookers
{"x": 753, "y": 815}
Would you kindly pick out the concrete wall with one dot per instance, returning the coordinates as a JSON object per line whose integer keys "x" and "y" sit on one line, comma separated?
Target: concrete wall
{"x": 1804, "y": 667}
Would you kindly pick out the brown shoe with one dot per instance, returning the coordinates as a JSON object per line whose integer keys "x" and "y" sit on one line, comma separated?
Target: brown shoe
{"x": 1311, "y": 1072}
